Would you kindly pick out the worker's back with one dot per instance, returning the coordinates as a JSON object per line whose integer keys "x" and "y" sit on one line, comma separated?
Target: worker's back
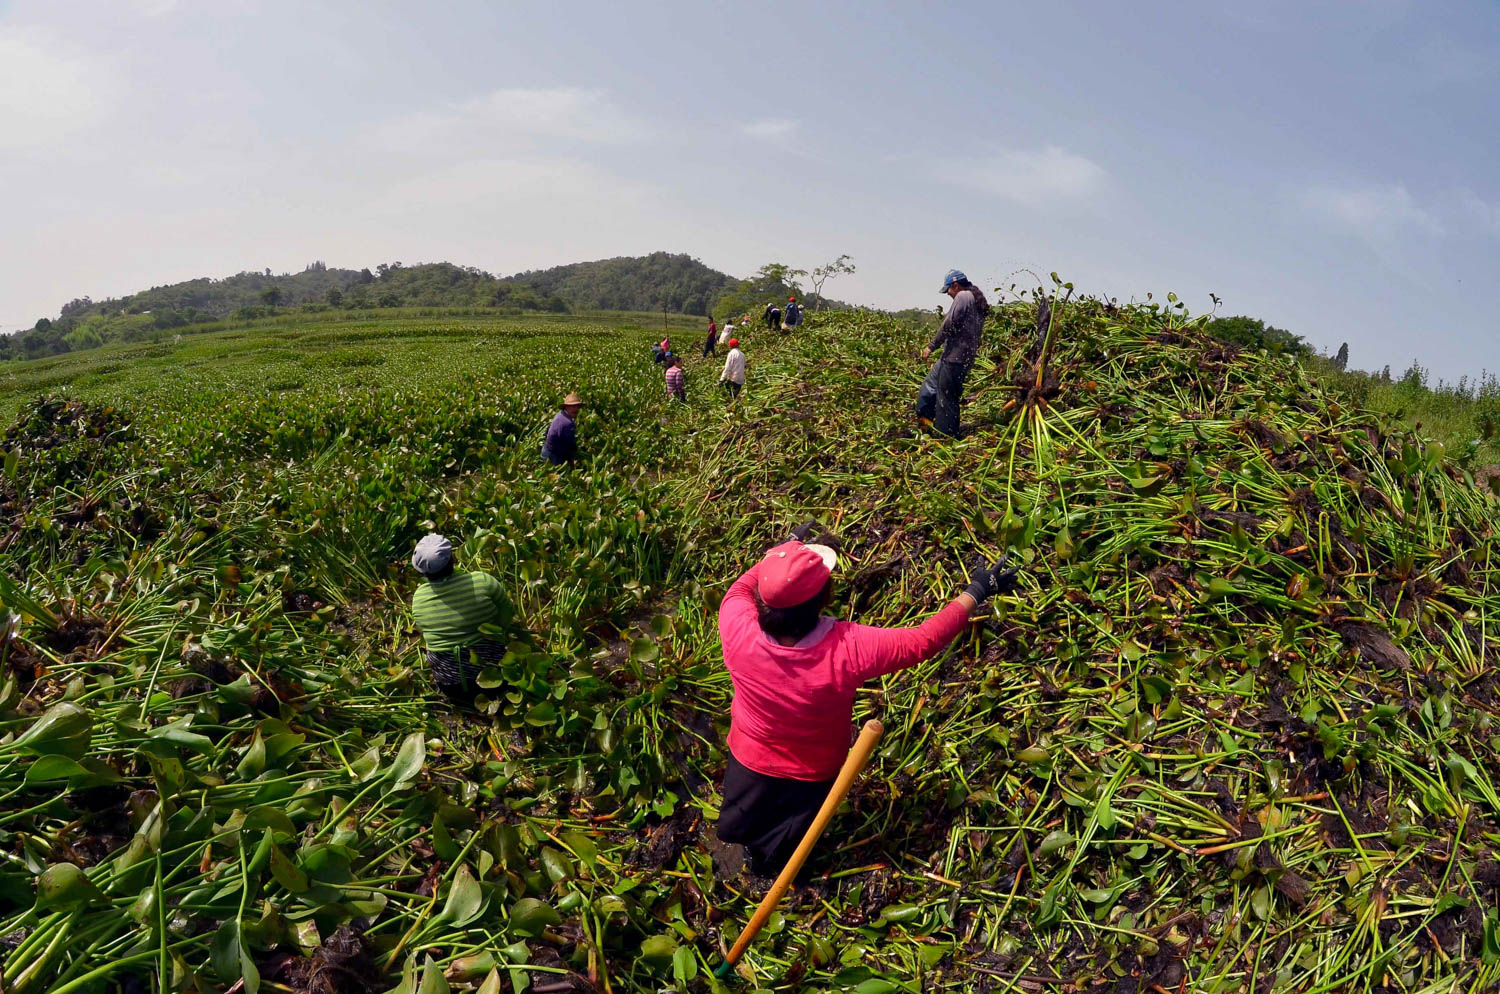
{"x": 450, "y": 611}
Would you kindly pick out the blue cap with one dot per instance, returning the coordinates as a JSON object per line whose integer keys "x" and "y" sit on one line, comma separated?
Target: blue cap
{"x": 954, "y": 276}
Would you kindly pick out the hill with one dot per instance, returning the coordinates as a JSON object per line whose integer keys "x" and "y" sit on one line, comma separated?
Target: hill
{"x": 1235, "y": 731}
{"x": 660, "y": 281}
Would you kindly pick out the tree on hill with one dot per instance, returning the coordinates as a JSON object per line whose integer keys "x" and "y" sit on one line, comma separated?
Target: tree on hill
{"x": 271, "y": 295}
{"x": 773, "y": 282}
{"x": 822, "y": 274}
{"x": 1255, "y": 333}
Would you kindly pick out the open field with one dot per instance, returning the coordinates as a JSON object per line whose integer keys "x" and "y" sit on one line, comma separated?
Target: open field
{"x": 1234, "y": 733}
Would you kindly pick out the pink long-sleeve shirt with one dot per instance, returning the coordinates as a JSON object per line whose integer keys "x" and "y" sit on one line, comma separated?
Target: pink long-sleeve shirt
{"x": 794, "y": 704}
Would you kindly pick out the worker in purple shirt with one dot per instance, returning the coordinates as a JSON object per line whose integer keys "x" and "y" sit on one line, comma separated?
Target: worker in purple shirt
{"x": 562, "y": 440}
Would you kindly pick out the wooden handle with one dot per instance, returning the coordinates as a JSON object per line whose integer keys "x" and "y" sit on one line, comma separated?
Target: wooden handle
{"x": 853, "y": 764}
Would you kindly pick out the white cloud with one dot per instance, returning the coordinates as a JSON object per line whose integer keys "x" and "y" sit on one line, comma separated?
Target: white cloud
{"x": 46, "y": 92}
{"x": 1028, "y": 176}
{"x": 1374, "y": 212}
{"x": 770, "y": 127}
{"x": 504, "y": 118}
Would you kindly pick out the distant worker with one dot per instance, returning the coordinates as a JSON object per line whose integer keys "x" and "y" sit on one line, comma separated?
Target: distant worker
{"x": 773, "y": 317}
{"x": 561, "y": 443}
{"x": 727, "y": 332}
{"x": 449, "y": 608}
{"x": 676, "y": 383}
{"x": 712, "y": 340}
{"x": 793, "y": 315}
{"x": 661, "y": 350}
{"x": 958, "y": 337}
{"x": 795, "y": 673}
{"x": 733, "y": 376}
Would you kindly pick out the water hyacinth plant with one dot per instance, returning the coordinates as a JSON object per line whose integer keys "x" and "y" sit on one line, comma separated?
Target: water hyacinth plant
{"x": 1234, "y": 732}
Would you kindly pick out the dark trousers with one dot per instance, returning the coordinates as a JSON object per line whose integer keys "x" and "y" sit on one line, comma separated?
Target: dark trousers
{"x": 732, "y": 387}
{"x": 939, "y": 395}
{"x": 708, "y": 347}
{"x": 767, "y": 815}
{"x": 454, "y": 672}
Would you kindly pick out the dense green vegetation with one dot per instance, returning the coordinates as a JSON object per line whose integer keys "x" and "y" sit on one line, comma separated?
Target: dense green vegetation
{"x": 658, "y": 282}
{"x": 1236, "y": 729}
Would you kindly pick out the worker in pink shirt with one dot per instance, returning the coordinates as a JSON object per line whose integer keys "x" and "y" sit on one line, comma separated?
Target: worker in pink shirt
{"x": 795, "y": 672}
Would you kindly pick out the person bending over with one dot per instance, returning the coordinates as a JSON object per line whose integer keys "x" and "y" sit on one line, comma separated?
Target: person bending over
{"x": 561, "y": 444}
{"x": 795, "y": 672}
{"x": 733, "y": 376}
{"x": 449, "y": 607}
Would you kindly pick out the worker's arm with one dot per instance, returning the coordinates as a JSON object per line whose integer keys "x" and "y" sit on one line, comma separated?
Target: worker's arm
{"x": 738, "y": 608}
{"x": 879, "y": 651}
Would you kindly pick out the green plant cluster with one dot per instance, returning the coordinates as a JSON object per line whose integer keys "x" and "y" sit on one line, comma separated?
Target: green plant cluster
{"x": 1236, "y": 729}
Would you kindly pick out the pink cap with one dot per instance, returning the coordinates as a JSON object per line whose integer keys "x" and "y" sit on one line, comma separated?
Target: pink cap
{"x": 793, "y": 573}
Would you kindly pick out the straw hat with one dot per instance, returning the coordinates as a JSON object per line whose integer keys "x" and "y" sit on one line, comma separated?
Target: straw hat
{"x": 571, "y": 399}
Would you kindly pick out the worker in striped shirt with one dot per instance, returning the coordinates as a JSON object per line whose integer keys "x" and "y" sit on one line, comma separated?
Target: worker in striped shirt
{"x": 676, "y": 384}
{"x": 449, "y": 607}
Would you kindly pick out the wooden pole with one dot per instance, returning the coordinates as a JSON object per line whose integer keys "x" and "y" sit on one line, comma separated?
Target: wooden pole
{"x": 853, "y": 764}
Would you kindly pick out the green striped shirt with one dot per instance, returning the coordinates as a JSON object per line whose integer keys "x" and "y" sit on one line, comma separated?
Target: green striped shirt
{"x": 449, "y": 611}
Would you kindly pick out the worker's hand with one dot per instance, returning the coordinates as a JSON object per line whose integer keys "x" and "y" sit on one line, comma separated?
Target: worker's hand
{"x": 926, "y": 353}
{"x": 804, "y": 531}
{"x": 994, "y": 580}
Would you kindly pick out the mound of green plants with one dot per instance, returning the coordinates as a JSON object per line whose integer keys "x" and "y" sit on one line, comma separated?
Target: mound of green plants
{"x": 1233, "y": 733}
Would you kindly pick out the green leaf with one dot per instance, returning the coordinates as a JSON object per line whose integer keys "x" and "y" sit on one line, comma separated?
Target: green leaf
{"x": 530, "y": 917}
{"x": 49, "y": 768}
{"x": 229, "y": 958}
{"x": 253, "y": 763}
{"x": 176, "y": 732}
{"x": 465, "y": 898}
{"x": 684, "y": 964}
{"x": 657, "y": 950}
{"x": 366, "y": 764}
{"x": 409, "y": 760}
{"x": 65, "y": 729}
{"x": 408, "y": 984}
{"x": 583, "y": 847}
{"x": 287, "y": 873}
{"x": 643, "y": 650}
{"x": 433, "y": 981}
{"x": 1055, "y": 840}
{"x": 557, "y": 866}
{"x": 64, "y": 886}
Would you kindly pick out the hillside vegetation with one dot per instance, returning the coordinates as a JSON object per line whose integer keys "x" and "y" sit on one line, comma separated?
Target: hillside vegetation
{"x": 658, "y": 282}
{"x": 1234, "y": 732}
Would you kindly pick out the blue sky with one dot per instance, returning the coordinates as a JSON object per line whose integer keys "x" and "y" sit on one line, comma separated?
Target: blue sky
{"x": 1329, "y": 167}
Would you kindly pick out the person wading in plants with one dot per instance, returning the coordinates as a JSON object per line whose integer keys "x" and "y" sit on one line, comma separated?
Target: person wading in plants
{"x": 561, "y": 444}
{"x": 676, "y": 382}
{"x": 773, "y": 316}
{"x": 795, "y": 672}
{"x": 958, "y": 337}
{"x": 661, "y": 350}
{"x": 793, "y": 315}
{"x": 727, "y": 332}
{"x": 733, "y": 376}
{"x": 449, "y": 608}
{"x": 712, "y": 340}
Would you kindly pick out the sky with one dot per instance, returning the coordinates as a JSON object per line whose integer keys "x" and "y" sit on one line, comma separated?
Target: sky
{"x": 1332, "y": 168}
